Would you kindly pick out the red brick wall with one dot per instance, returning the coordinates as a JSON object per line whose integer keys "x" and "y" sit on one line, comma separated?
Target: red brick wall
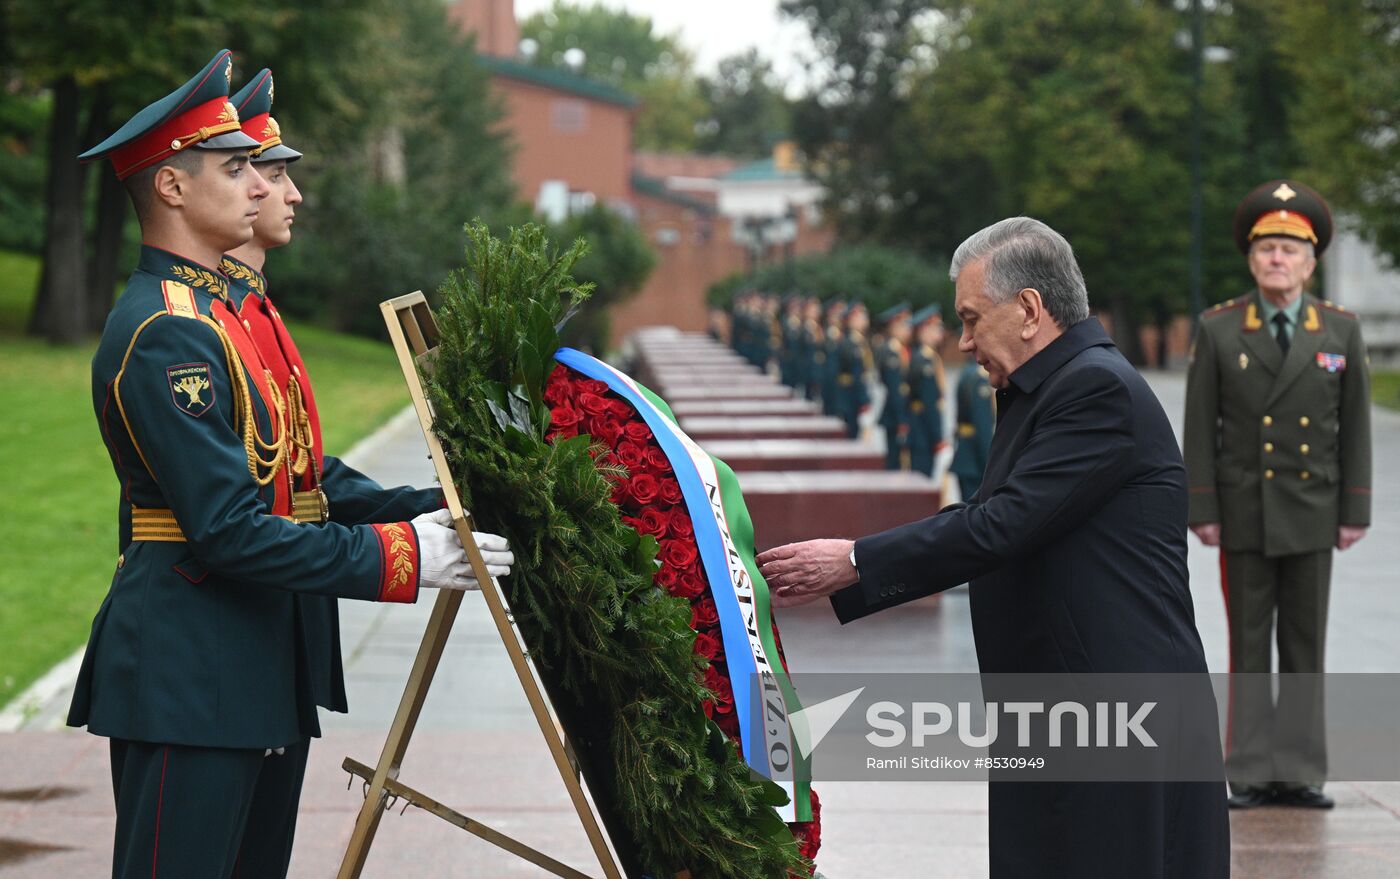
{"x": 559, "y": 136}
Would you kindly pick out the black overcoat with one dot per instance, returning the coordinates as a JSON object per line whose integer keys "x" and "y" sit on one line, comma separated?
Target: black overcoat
{"x": 1075, "y": 548}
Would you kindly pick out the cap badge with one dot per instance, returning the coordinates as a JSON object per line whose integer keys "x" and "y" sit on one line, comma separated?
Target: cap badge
{"x": 228, "y": 72}
{"x": 1284, "y": 192}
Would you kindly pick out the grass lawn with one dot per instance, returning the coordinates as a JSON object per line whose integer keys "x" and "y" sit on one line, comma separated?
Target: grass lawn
{"x": 1385, "y": 388}
{"x": 61, "y": 495}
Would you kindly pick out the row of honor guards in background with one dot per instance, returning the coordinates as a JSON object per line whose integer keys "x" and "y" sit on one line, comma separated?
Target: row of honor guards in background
{"x": 825, "y": 353}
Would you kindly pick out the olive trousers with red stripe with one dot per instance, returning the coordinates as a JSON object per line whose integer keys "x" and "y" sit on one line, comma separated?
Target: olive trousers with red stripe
{"x": 1283, "y": 742}
{"x": 220, "y": 813}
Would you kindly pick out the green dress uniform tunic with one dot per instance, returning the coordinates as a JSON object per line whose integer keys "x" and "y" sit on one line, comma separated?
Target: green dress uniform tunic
{"x": 926, "y": 391}
{"x": 894, "y": 367}
{"x": 813, "y": 359}
{"x": 790, "y": 357}
{"x": 976, "y": 421}
{"x": 851, "y": 396}
{"x": 198, "y": 659}
{"x": 1278, "y": 452}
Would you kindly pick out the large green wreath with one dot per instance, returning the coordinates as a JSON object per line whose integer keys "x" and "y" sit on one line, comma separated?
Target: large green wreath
{"x": 615, "y": 651}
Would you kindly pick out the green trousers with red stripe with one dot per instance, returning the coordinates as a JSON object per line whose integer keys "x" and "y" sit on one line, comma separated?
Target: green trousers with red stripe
{"x": 221, "y": 813}
{"x": 1276, "y": 741}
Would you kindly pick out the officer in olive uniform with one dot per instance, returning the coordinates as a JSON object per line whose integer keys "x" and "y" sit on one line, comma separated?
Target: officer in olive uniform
{"x": 854, "y": 362}
{"x": 197, "y": 667}
{"x": 832, "y": 333}
{"x": 976, "y": 419}
{"x": 892, "y": 362}
{"x": 1278, "y": 454}
{"x": 927, "y": 389}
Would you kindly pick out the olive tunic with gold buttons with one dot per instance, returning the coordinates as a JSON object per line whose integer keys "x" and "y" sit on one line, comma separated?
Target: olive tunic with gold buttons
{"x": 1278, "y": 447}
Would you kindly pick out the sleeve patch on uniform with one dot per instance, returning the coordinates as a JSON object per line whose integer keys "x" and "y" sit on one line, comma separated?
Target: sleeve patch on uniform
{"x": 191, "y": 388}
{"x": 398, "y": 581}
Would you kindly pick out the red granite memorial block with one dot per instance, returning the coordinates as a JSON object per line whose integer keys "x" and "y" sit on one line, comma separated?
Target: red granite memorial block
{"x": 703, "y": 428}
{"x": 791, "y": 506}
{"x": 807, "y": 455}
{"x": 733, "y": 408}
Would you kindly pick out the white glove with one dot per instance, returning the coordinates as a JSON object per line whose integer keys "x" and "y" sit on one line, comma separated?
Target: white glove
{"x": 444, "y": 561}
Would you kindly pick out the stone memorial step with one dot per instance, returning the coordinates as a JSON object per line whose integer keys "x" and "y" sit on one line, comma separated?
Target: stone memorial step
{"x": 703, "y": 428}
{"x": 788, "y": 507}
{"x": 797, "y": 454}
{"x": 795, "y": 406}
{"x": 754, "y": 391}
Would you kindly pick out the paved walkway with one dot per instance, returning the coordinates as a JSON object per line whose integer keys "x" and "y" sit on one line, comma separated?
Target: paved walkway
{"x": 478, "y": 750}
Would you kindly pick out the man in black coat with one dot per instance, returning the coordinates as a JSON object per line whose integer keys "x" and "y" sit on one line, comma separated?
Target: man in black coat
{"x": 1075, "y": 547}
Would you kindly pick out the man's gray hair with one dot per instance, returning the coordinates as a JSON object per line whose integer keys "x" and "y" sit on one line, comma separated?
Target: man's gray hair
{"x": 1022, "y": 252}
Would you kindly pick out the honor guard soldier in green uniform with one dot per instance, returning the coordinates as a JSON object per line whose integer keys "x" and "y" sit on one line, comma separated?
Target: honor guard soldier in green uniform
{"x": 892, "y": 363}
{"x": 834, "y": 316}
{"x": 853, "y": 363}
{"x": 197, "y": 667}
{"x": 813, "y": 348}
{"x": 790, "y": 358}
{"x": 972, "y": 442}
{"x": 1278, "y": 456}
{"x": 739, "y": 337}
{"x": 927, "y": 388}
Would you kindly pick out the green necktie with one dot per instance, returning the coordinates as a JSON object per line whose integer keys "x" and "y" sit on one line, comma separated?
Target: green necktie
{"x": 1281, "y": 332}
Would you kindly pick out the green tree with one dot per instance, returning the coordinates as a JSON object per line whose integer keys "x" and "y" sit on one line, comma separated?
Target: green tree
{"x": 617, "y": 264}
{"x": 383, "y": 98}
{"x": 864, "y": 57}
{"x": 391, "y": 183}
{"x": 1344, "y": 57}
{"x": 625, "y": 51}
{"x": 748, "y": 112}
{"x": 881, "y": 276}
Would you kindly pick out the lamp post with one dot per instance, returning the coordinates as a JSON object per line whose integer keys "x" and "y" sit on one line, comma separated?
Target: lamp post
{"x": 1197, "y": 244}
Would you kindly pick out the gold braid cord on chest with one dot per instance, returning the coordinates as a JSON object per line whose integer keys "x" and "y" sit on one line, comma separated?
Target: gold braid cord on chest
{"x": 290, "y": 447}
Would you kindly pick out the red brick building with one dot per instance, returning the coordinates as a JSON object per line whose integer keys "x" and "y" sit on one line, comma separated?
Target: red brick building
{"x": 706, "y": 216}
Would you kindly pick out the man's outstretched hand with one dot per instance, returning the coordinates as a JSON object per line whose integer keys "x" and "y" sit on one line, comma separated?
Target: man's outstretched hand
{"x": 801, "y": 572}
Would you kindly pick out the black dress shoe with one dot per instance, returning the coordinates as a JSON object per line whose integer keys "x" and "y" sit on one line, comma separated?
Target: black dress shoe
{"x": 1310, "y": 797}
{"x": 1250, "y": 798}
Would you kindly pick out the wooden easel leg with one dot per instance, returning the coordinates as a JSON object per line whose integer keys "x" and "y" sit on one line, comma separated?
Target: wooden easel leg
{"x": 410, "y": 706}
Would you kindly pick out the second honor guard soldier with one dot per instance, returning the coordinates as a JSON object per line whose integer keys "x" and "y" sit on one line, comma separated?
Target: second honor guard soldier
{"x": 927, "y": 388}
{"x": 194, "y": 667}
{"x": 1278, "y": 456}
{"x": 327, "y": 489}
{"x": 853, "y": 362}
{"x": 892, "y": 363}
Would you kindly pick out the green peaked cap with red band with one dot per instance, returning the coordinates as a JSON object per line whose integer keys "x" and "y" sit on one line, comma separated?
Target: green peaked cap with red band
{"x": 254, "y": 105}
{"x": 197, "y": 114}
{"x": 1286, "y": 208}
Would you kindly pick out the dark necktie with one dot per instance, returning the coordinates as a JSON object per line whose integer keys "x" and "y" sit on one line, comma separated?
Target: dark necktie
{"x": 1281, "y": 332}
